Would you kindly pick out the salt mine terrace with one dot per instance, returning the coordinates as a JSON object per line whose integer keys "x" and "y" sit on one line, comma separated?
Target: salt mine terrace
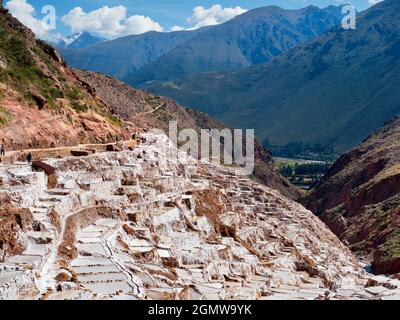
{"x": 133, "y": 225}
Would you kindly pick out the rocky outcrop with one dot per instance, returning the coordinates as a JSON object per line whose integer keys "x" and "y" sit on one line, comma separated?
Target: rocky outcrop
{"x": 14, "y": 223}
{"x": 359, "y": 198}
{"x": 137, "y": 225}
{"x": 19, "y": 283}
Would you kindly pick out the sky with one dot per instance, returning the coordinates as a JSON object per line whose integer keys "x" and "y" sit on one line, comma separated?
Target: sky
{"x": 116, "y": 18}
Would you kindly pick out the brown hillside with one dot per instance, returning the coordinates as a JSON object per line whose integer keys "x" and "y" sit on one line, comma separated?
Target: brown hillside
{"x": 42, "y": 102}
{"x": 360, "y": 196}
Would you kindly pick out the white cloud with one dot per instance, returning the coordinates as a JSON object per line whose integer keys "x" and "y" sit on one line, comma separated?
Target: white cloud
{"x": 372, "y": 2}
{"x": 214, "y": 15}
{"x": 140, "y": 24}
{"x": 25, "y": 13}
{"x": 177, "y": 28}
{"x": 113, "y": 22}
{"x": 109, "y": 22}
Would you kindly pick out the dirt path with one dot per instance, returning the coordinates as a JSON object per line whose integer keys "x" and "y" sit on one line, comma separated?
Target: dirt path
{"x": 12, "y": 155}
{"x": 141, "y": 114}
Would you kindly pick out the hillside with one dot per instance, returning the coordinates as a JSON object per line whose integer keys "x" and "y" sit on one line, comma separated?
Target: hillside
{"x": 359, "y": 198}
{"x": 149, "y": 111}
{"x": 251, "y": 38}
{"x": 42, "y": 102}
{"x": 334, "y": 90}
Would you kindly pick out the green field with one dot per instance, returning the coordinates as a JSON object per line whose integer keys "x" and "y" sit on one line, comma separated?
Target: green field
{"x": 279, "y": 162}
{"x": 302, "y": 173}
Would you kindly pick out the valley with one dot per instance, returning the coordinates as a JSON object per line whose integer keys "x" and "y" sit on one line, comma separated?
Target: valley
{"x": 358, "y": 198}
{"x": 97, "y": 203}
{"x": 327, "y": 91}
{"x": 302, "y": 173}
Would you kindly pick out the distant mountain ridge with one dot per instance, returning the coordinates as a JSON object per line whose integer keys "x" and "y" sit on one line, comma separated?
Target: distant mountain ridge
{"x": 333, "y": 90}
{"x": 121, "y": 56}
{"x": 78, "y": 40}
{"x": 84, "y": 40}
{"x": 248, "y": 39}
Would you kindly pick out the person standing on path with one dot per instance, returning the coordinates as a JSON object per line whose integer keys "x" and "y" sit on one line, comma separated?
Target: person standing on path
{"x": 2, "y": 150}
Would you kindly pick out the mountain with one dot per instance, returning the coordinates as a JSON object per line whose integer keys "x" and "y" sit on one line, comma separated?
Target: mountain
{"x": 359, "y": 199}
{"x": 82, "y": 40}
{"x": 251, "y": 38}
{"x": 248, "y": 39}
{"x": 333, "y": 90}
{"x": 78, "y": 40}
{"x": 124, "y": 55}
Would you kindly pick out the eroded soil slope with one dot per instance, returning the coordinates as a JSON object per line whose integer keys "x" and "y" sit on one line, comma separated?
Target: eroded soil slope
{"x": 42, "y": 102}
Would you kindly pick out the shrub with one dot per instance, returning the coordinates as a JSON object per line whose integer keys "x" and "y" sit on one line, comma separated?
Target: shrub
{"x": 79, "y": 107}
{"x": 4, "y": 117}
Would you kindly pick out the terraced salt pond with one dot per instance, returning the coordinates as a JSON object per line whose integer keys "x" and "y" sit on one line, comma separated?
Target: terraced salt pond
{"x": 94, "y": 267}
{"x": 132, "y": 225}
